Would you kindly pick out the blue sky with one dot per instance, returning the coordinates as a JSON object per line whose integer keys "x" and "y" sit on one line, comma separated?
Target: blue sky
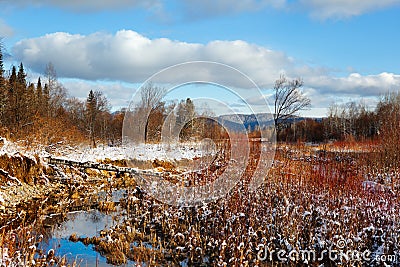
{"x": 343, "y": 50}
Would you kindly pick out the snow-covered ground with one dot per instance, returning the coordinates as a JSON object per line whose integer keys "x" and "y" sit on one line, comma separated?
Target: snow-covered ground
{"x": 7, "y": 147}
{"x": 138, "y": 152}
{"x": 13, "y": 149}
{"x": 176, "y": 151}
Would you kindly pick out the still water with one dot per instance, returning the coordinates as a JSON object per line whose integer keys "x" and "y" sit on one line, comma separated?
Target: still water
{"x": 83, "y": 224}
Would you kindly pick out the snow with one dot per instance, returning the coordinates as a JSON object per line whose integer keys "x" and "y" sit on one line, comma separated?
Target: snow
{"x": 142, "y": 152}
{"x": 13, "y": 149}
{"x": 7, "y": 147}
{"x": 4, "y": 256}
{"x": 138, "y": 152}
{"x": 370, "y": 228}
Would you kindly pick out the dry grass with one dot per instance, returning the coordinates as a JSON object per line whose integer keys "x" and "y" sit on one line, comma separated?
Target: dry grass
{"x": 19, "y": 247}
{"x": 311, "y": 200}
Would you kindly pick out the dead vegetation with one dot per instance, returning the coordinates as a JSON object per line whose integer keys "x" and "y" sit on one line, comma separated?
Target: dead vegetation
{"x": 312, "y": 198}
{"x": 19, "y": 168}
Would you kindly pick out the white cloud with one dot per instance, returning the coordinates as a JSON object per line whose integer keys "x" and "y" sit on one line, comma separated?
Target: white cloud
{"x": 5, "y": 30}
{"x": 345, "y": 8}
{"x": 356, "y": 84}
{"x": 127, "y": 56}
{"x": 131, "y": 57}
{"x": 325, "y": 90}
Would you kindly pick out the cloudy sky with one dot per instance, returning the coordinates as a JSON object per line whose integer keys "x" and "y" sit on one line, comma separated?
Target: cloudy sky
{"x": 342, "y": 49}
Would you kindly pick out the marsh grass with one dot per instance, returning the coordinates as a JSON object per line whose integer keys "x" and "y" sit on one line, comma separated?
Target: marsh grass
{"x": 22, "y": 247}
{"x": 310, "y": 200}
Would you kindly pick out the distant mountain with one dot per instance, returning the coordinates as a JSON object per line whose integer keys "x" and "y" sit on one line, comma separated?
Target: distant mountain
{"x": 251, "y": 121}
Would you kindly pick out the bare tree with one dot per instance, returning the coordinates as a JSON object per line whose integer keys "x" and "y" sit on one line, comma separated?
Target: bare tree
{"x": 57, "y": 94}
{"x": 388, "y": 112}
{"x": 145, "y": 112}
{"x": 288, "y": 100}
{"x": 150, "y": 95}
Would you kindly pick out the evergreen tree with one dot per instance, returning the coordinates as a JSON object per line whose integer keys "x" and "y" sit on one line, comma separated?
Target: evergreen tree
{"x": 21, "y": 77}
{"x": 12, "y": 81}
{"x": 11, "y": 115}
{"x": 190, "y": 108}
{"x": 184, "y": 118}
{"x": 39, "y": 97}
{"x": 3, "y": 91}
{"x": 21, "y": 98}
{"x": 91, "y": 104}
{"x": 2, "y": 79}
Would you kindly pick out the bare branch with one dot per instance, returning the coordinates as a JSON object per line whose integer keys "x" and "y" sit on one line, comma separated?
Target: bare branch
{"x": 288, "y": 99}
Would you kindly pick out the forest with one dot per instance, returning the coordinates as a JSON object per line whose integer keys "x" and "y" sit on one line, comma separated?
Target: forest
{"x": 41, "y": 111}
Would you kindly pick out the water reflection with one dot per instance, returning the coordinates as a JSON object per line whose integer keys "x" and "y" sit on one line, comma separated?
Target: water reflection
{"x": 83, "y": 224}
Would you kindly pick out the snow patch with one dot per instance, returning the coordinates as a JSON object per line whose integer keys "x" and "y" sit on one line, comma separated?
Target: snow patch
{"x": 139, "y": 152}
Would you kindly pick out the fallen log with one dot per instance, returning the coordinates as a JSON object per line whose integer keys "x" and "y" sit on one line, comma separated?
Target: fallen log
{"x": 100, "y": 166}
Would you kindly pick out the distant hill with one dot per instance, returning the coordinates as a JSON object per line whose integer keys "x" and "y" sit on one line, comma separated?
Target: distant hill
{"x": 251, "y": 121}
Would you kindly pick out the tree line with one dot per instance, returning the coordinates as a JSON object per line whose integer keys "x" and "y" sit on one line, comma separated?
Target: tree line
{"x": 43, "y": 112}
{"x": 348, "y": 121}
{"x": 156, "y": 120}
{"x": 352, "y": 121}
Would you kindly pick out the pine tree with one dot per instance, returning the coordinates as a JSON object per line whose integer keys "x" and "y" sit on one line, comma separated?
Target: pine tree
{"x": 3, "y": 91}
{"x": 21, "y": 98}
{"x": 96, "y": 110}
{"x": 184, "y": 119}
{"x": 91, "y": 106}
{"x": 21, "y": 76}
{"x": 11, "y": 112}
{"x": 39, "y": 97}
{"x": 12, "y": 81}
{"x": 2, "y": 79}
{"x": 190, "y": 108}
